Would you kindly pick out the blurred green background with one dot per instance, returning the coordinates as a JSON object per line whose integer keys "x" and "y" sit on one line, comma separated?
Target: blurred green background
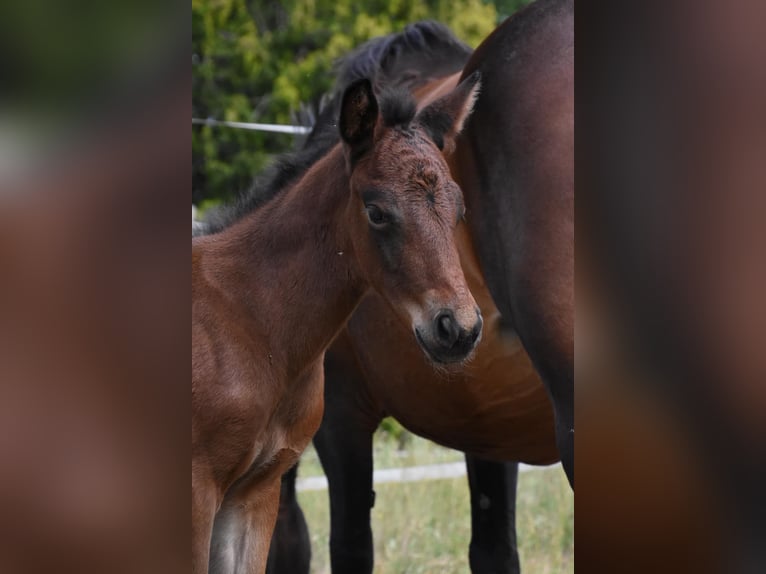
{"x": 257, "y": 61}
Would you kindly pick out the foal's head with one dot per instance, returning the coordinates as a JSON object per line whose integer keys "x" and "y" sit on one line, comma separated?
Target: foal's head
{"x": 404, "y": 209}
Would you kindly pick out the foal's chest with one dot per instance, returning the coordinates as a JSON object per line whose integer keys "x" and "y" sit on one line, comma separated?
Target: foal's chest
{"x": 294, "y": 421}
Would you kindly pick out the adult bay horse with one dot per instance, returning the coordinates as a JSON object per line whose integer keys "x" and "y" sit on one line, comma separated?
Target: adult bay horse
{"x": 515, "y": 161}
{"x": 272, "y": 290}
{"x": 496, "y": 408}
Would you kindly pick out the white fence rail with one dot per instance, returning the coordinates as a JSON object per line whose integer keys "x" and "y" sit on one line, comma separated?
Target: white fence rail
{"x": 406, "y": 474}
{"x": 277, "y": 128}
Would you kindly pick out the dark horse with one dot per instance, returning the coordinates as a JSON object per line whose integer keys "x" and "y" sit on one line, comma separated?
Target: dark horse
{"x": 515, "y": 161}
{"x": 497, "y": 408}
{"x": 271, "y": 291}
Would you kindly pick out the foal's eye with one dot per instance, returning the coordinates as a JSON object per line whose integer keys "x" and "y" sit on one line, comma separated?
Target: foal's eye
{"x": 377, "y": 216}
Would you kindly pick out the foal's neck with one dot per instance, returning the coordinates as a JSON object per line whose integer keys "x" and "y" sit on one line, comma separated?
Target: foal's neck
{"x": 298, "y": 264}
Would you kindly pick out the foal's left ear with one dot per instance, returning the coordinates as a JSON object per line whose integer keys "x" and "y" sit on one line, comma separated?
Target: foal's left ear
{"x": 444, "y": 118}
{"x": 358, "y": 116}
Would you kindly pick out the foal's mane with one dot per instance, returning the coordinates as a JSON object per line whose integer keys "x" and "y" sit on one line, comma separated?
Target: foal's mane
{"x": 396, "y": 64}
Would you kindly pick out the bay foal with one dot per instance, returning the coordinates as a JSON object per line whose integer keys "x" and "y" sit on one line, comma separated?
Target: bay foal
{"x": 270, "y": 293}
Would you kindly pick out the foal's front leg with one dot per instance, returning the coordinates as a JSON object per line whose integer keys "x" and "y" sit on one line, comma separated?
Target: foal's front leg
{"x": 290, "y": 551}
{"x": 205, "y": 501}
{"x": 243, "y": 530}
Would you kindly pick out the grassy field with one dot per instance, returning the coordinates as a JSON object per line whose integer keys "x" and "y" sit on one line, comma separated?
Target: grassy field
{"x": 425, "y": 527}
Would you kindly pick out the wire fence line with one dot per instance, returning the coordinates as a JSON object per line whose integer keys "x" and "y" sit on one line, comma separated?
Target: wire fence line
{"x": 277, "y": 128}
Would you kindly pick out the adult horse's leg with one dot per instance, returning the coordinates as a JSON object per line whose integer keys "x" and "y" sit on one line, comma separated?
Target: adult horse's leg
{"x": 344, "y": 445}
{"x": 290, "y": 551}
{"x": 346, "y": 455}
{"x": 493, "y": 516}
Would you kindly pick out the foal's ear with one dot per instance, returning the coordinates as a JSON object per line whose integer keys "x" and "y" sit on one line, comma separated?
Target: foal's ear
{"x": 358, "y": 116}
{"x": 444, "y": 118}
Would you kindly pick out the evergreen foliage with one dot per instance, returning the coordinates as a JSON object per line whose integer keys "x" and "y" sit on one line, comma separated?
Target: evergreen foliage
{"x": 262, "y": 61}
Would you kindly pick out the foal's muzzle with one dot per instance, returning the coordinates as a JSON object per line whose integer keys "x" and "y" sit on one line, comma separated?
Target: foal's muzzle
{"x": 447, "y": 340}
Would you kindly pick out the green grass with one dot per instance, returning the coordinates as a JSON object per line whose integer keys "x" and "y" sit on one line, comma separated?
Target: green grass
{"x": 425, "y": 527}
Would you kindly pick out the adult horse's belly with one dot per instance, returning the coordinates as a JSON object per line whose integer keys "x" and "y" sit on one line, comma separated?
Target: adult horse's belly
{"x": 495, "y": 406}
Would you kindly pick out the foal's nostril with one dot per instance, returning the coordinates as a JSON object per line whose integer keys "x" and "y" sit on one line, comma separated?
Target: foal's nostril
{"x": 448, "y": 341}
{"x": 476, "y": 329}
{"x": 446, "y": 329}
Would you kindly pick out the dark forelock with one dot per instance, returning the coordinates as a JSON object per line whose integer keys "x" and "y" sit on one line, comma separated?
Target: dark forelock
{"x": 397, "y": 107}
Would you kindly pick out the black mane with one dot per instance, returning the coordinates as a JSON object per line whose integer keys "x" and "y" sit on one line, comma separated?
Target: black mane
{"x": 422, "y": 51}
{"x": 285, "y": 170}
{"x": 397, "y": 106}
{"x": 396, "y": 64}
